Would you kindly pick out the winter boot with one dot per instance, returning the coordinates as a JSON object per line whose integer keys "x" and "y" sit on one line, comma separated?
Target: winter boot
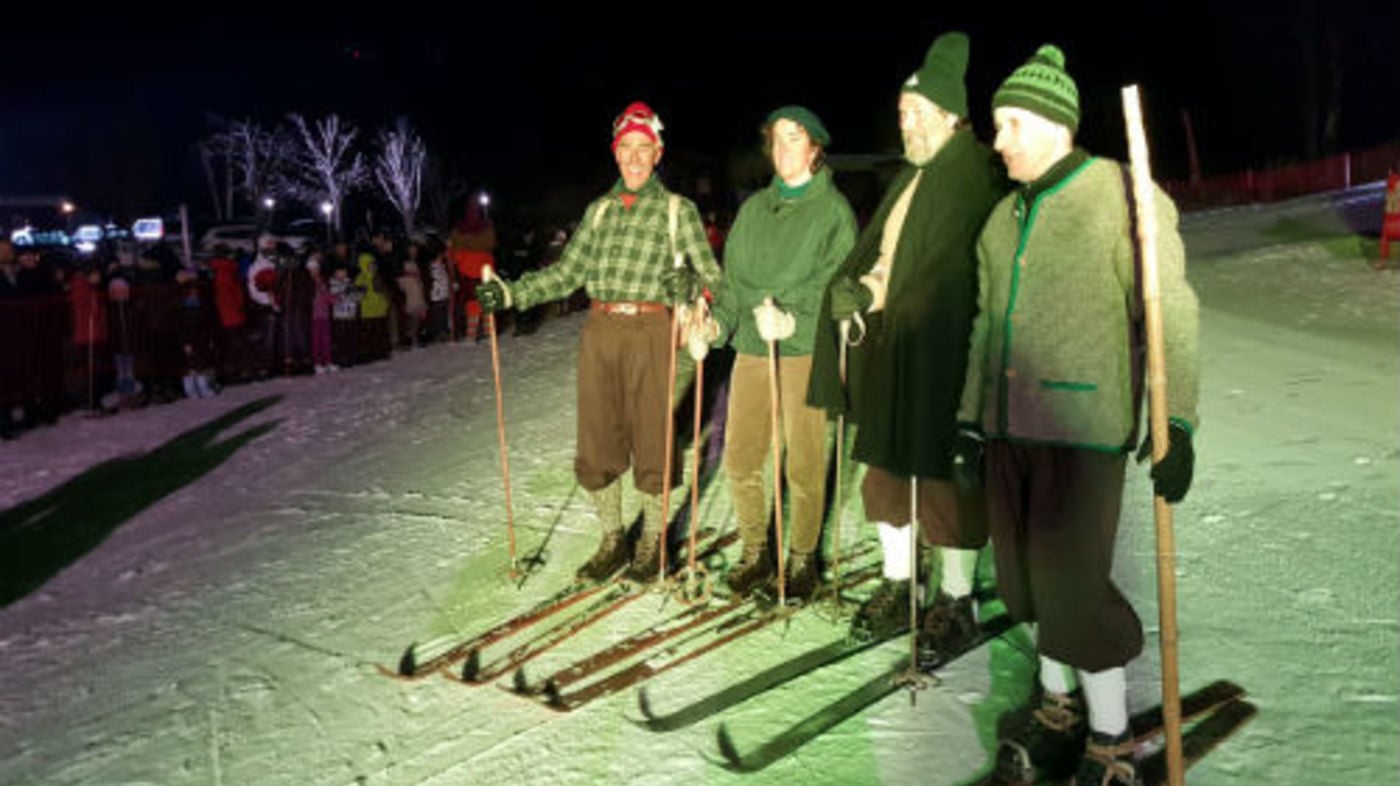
{"x": 752, "y": 572}
{"x": 205, "y": 388}
{"x": 1047, "y": 744}
{"x": 949, "y": 628}
{"x": 802, "y": 576}
{"x": 190, "y": 391}
{"x": 607, "y": 560}
{"x": 885, "y": 614}
{"x": 612, "y": 552}
{"x": 646, "y": 567}
{"x": 1108, "y": 761}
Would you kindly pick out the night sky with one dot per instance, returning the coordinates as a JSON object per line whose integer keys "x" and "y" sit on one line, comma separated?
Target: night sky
{"x": 106, "y": 106}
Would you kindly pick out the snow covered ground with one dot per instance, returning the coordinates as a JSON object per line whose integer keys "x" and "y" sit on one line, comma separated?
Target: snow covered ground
{"x": 198, "y": 593}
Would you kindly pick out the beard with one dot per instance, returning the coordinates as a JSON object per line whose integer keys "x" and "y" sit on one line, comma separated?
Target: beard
{"x": 921, "y": 146}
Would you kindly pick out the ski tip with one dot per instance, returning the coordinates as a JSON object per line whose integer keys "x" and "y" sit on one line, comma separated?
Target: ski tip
{"x": 550, "y": 692}
{"x": 644, "y": 704}
{"x": 408, "y": 662}
{"x": 471, "y": 667}
{"x": 732, "y": 759}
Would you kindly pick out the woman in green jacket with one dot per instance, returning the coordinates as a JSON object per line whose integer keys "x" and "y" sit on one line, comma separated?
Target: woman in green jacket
{"x": 785, "y": 243}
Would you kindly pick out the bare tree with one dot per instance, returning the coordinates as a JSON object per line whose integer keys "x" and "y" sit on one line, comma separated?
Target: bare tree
{"x": 260, "y": 158}
{"x": 399, "y": 169}
{"x": 323, "y": 168}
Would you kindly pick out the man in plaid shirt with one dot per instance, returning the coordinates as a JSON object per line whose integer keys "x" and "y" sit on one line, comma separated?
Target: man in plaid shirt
{"x": 624, "y": 254}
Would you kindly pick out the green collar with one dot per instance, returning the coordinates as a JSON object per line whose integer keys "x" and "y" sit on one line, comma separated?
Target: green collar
{"x": 791, "y": 192}
{"x": 1056, "y": 174}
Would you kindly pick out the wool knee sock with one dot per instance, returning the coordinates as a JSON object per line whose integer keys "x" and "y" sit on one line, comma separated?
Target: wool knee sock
{"x": 1106, "y": 693}
{"x": 895, "y": 542}
{"x": 959, "y": 567}
{"x": 1056, "y": 677}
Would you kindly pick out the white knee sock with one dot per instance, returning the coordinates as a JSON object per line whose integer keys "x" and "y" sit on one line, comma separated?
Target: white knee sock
{"x": 895, "y": 542}
{"x": 959, "y": 567}
{"x": 1106, "y": 693}
{"x": 1055, "y": 676}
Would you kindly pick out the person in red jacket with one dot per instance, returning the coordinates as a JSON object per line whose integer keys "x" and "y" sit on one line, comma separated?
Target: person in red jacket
{"x": 233, "y": 319}
{"x": 87, "y": 302}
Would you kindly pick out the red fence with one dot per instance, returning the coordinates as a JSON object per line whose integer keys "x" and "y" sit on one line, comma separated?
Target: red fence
{"x": 1271, "y": 185}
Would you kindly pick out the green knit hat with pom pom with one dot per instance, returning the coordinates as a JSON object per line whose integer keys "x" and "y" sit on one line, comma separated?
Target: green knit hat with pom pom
{"x": 1042, "y": 86}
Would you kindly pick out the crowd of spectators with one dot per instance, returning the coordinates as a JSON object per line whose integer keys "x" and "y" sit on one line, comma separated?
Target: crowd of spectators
{"x": 127, "y": 326}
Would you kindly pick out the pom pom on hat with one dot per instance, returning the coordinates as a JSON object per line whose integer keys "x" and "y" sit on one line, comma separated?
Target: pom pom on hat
{"x": 638, "y": 117}
{"x": 941, "y": 78}
{"x": 1042, "y": 86}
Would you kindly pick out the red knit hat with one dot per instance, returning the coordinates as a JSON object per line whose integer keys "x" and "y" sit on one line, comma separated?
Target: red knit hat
{"x": 638, "y": 117}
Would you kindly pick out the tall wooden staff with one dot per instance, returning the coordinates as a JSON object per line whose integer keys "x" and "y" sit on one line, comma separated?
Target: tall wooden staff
{"x": 486, "y": 275}
{"x": 1157, "y": 412}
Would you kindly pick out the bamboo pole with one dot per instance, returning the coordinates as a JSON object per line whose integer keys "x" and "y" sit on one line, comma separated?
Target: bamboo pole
{"x": 1157, "y": 412}
{"x": 486, "y": 275}
{"x": 845, "y": 335}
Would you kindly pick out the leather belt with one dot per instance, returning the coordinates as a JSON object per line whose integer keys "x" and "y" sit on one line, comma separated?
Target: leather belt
{"x": 629, "y": 308}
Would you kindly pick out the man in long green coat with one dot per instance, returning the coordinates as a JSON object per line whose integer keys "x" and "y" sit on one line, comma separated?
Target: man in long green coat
{"x": 911, "y": 281}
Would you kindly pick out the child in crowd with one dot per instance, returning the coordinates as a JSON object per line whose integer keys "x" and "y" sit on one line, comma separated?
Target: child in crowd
{"x": 345, "y": 312}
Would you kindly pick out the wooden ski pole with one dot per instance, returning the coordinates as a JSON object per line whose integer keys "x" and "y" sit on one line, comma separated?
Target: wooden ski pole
{"x": 845, "y": 336}
{"x": 487, "y": 275}
{"x": 775, "y": 417}
{"x": 670, "y": 434}
{"x": 694, "y": 523}
{"x": 1157, "y": 412}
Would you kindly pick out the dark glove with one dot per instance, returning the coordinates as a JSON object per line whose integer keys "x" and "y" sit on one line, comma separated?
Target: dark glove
{"x": 493, "y": 295}
{"x": 1171, "y": 477}
{"x": 969, "y": 447}
{"x": 682, "y": 284}
{"x": 848, "y": 297}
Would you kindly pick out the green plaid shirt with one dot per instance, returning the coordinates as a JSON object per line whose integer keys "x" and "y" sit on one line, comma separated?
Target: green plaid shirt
{"x": 623, "y": 256}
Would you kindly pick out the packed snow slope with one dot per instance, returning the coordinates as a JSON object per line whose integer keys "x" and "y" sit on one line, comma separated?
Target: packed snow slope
{"x": 198, "y": 593}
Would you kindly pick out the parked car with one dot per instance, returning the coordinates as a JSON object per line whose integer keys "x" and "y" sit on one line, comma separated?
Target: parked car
{"x": 244, "y": 237}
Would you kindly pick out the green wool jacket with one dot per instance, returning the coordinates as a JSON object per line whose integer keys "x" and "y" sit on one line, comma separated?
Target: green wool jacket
{"x": 906, "y": 374}
{"x": 787, "y": 249}
{"x": 621, "y": 256}
{"x": 1050, "y": 355}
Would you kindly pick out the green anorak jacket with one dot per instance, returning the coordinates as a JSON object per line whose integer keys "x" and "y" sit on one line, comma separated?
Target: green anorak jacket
{"x": 786, "y": 248}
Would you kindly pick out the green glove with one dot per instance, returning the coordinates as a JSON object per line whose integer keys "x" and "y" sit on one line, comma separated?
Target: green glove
{"x": 849, "y": 297}
{"x": 1171, "y": 477}
{"x": 493, "y": 295}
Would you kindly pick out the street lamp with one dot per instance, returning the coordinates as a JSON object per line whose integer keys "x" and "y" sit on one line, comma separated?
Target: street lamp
{"x": 328, "y": 210}
{"x": 485, "y": 201}
{"x": 269, "y": 203}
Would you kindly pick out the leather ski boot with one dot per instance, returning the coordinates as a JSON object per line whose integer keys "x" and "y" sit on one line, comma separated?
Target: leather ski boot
{"x": 885, "y": 614}
{"x": 802, "y": 576}
{"x": 1048, "y": 743}
{"x": 949, "y": 628}
{"x": 752, "y": 572}
{"x": 1108, "y": 761}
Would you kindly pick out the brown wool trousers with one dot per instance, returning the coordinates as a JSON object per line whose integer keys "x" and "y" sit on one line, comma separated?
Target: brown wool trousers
{"x": 622, "y": 407}
{"x": 948, "y": 516}
{"x": 748, "y": 442}
{"x": 1053, "y": 515}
